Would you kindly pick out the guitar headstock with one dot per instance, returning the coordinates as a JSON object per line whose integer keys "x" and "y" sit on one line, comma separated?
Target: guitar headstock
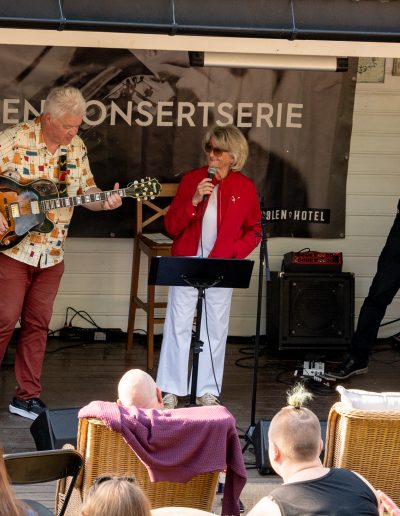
{"x": 143, "y": 189}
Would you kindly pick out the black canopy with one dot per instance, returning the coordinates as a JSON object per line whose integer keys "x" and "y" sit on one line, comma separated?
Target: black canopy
{"x": 346, "y": 20}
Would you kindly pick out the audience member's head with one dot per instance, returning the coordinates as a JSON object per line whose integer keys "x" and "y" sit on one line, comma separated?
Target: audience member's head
{"x": 295, "y": 432}
{"x": 115, "y": 496}
{"x": 9, "y": 505}
{"x": 139, "y": 389}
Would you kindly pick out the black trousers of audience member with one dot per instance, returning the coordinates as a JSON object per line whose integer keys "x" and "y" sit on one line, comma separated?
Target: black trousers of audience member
{"x": 384, "y": 287}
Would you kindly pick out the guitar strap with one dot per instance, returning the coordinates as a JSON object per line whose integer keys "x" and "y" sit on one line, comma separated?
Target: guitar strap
{"x": 62, "y": 175}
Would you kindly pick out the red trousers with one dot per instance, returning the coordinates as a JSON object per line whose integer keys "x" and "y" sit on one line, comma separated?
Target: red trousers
{"x": 27, "y": 293}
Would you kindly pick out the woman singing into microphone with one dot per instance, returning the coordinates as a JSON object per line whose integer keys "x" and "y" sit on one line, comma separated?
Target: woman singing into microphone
{"x": 215, "y": 214}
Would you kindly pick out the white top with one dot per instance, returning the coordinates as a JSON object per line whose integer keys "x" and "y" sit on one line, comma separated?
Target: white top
{"x": 209, "y": 226}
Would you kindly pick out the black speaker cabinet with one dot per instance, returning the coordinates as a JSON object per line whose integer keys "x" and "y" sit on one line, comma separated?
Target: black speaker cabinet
{"x": 260, "y": 443}
{"x": 54, "y": 428}
{"x": 310, "y": 310}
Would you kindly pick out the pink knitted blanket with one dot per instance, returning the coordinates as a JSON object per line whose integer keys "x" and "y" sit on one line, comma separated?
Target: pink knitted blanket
{"x": 175, "y": 445}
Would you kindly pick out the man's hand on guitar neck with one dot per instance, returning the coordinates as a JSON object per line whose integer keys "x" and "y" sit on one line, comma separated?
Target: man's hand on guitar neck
{"x": 112, "y": 202}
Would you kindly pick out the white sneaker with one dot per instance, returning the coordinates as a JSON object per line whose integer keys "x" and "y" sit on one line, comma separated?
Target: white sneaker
{"x": 170, "y": 401}
{"x": 207, "y": 399}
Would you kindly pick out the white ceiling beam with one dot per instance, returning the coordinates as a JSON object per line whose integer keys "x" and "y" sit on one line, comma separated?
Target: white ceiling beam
{"x": 69, "y": 38}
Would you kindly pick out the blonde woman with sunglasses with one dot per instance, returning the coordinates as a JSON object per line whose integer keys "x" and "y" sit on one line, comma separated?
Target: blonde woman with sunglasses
{"x": 215, "y": 214}
{"x": 115, "y": 496}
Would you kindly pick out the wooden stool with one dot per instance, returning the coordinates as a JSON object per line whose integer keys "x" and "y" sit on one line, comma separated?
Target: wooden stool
{"x": 151, "y": 245}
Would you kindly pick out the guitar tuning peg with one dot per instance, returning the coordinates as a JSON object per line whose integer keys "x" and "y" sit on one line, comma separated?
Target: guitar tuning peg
{"x": 135, "y": 182}
{"x": 145, "y": 198}
{"x": 152, "y": 197}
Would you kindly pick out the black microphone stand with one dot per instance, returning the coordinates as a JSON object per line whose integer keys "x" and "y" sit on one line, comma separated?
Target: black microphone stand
{"x": 197, "y": 343}
{"x": 263, "y": 259}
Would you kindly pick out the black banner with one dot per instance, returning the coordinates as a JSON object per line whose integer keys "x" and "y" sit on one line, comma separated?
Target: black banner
{"x": 148, "y": 111}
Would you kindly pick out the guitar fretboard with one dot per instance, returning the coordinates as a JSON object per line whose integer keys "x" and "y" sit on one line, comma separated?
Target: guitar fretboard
{"x": 78, "y": 200}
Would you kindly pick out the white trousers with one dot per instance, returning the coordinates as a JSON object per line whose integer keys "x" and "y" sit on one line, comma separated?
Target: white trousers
{"x": 172, "y": 375}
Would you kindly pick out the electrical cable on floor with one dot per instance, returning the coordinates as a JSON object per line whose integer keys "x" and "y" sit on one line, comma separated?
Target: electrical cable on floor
{"x": 79, "y": 313}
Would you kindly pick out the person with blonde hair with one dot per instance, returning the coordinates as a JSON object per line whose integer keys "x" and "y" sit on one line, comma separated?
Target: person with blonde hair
{"x": 308, "y": 487}
{"x": 40, "y": 159}
{"x": 115, "y": 496}
{"x": 137, "y": 388}
{"x": 9, "y": 504}
{"x": 215, "y": 214}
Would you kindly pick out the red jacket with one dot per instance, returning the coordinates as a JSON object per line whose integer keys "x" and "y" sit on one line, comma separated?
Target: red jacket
{"x": 238, "y": 216}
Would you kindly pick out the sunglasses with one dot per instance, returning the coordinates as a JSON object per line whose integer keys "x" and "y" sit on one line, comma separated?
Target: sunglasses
{"x": 105, "y": 478}
{"x": 217, "y": 152}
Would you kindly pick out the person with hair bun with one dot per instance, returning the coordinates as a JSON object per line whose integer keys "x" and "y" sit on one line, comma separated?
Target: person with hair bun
{"x": 308, "y": 487}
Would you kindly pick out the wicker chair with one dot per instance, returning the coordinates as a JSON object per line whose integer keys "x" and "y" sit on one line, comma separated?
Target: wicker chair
{"x": 105, "y": 452}
{"x": 368, "y": 442}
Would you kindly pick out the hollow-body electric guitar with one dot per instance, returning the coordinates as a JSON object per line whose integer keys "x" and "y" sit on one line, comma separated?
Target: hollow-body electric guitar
{"x": 24, "y": 206}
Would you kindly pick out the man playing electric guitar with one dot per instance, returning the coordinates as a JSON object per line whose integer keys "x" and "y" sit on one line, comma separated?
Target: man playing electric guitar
{"x": 30, "y": 271}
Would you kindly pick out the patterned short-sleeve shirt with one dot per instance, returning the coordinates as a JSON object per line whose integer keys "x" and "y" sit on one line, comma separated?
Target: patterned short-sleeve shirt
{"x": 24, "y": 157}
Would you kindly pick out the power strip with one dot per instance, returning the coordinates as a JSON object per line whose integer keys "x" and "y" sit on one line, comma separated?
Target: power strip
{"x": 75, "y": 333}
{"x": 312, "y": 368}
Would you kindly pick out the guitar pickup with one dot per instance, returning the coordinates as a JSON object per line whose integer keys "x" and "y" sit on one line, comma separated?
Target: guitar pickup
{"x": 15, "y": 210}
{"x": 35, "y": 209}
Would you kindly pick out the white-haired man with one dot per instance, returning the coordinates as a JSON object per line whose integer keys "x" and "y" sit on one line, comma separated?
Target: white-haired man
{"x": 47, "y": 147}
{"x": 309, "y": 488}
{"x": 138, "y": 388}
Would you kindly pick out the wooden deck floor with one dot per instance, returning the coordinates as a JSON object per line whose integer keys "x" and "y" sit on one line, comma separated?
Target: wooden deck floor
{"x": 76, "y": 373}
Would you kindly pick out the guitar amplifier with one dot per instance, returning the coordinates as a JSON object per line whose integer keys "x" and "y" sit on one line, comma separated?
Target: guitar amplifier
{"x": 312, "y": 261}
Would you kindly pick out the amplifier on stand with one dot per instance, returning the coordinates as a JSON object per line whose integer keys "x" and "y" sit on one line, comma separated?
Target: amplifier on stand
{"x": 312, "y": 261}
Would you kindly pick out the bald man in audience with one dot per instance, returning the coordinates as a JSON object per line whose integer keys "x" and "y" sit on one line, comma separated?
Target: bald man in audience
{"x": 139, "y": 389}
{"x": 295, "y": 446}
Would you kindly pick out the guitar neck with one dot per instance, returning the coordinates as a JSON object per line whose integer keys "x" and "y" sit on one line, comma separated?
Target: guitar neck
{"x": 78, "y": 200}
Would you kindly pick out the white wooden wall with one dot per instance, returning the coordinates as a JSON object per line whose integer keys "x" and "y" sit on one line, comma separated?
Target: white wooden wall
{"x": 97, "y": 278}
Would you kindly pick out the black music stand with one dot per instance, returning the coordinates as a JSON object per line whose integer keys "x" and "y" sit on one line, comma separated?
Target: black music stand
{"x": 200, "y": 273}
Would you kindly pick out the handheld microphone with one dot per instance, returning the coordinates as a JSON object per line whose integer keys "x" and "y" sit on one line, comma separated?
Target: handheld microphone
{"x": 211, "y": 173}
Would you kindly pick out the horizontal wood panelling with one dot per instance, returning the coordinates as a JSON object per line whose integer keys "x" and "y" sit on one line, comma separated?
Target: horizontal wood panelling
{"x": 378, "y": 142}
{"x": 377, "y": 226}
{"x": 379, "y": 182}
{"x": 365, "y": 122}
{"x": 379, "y": 101}
{"x": 376, "y": 163}
{"x": 371, "y": 205}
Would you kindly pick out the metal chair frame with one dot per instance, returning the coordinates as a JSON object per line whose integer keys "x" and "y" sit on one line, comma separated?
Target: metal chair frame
{"x": 44, "y": 466}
